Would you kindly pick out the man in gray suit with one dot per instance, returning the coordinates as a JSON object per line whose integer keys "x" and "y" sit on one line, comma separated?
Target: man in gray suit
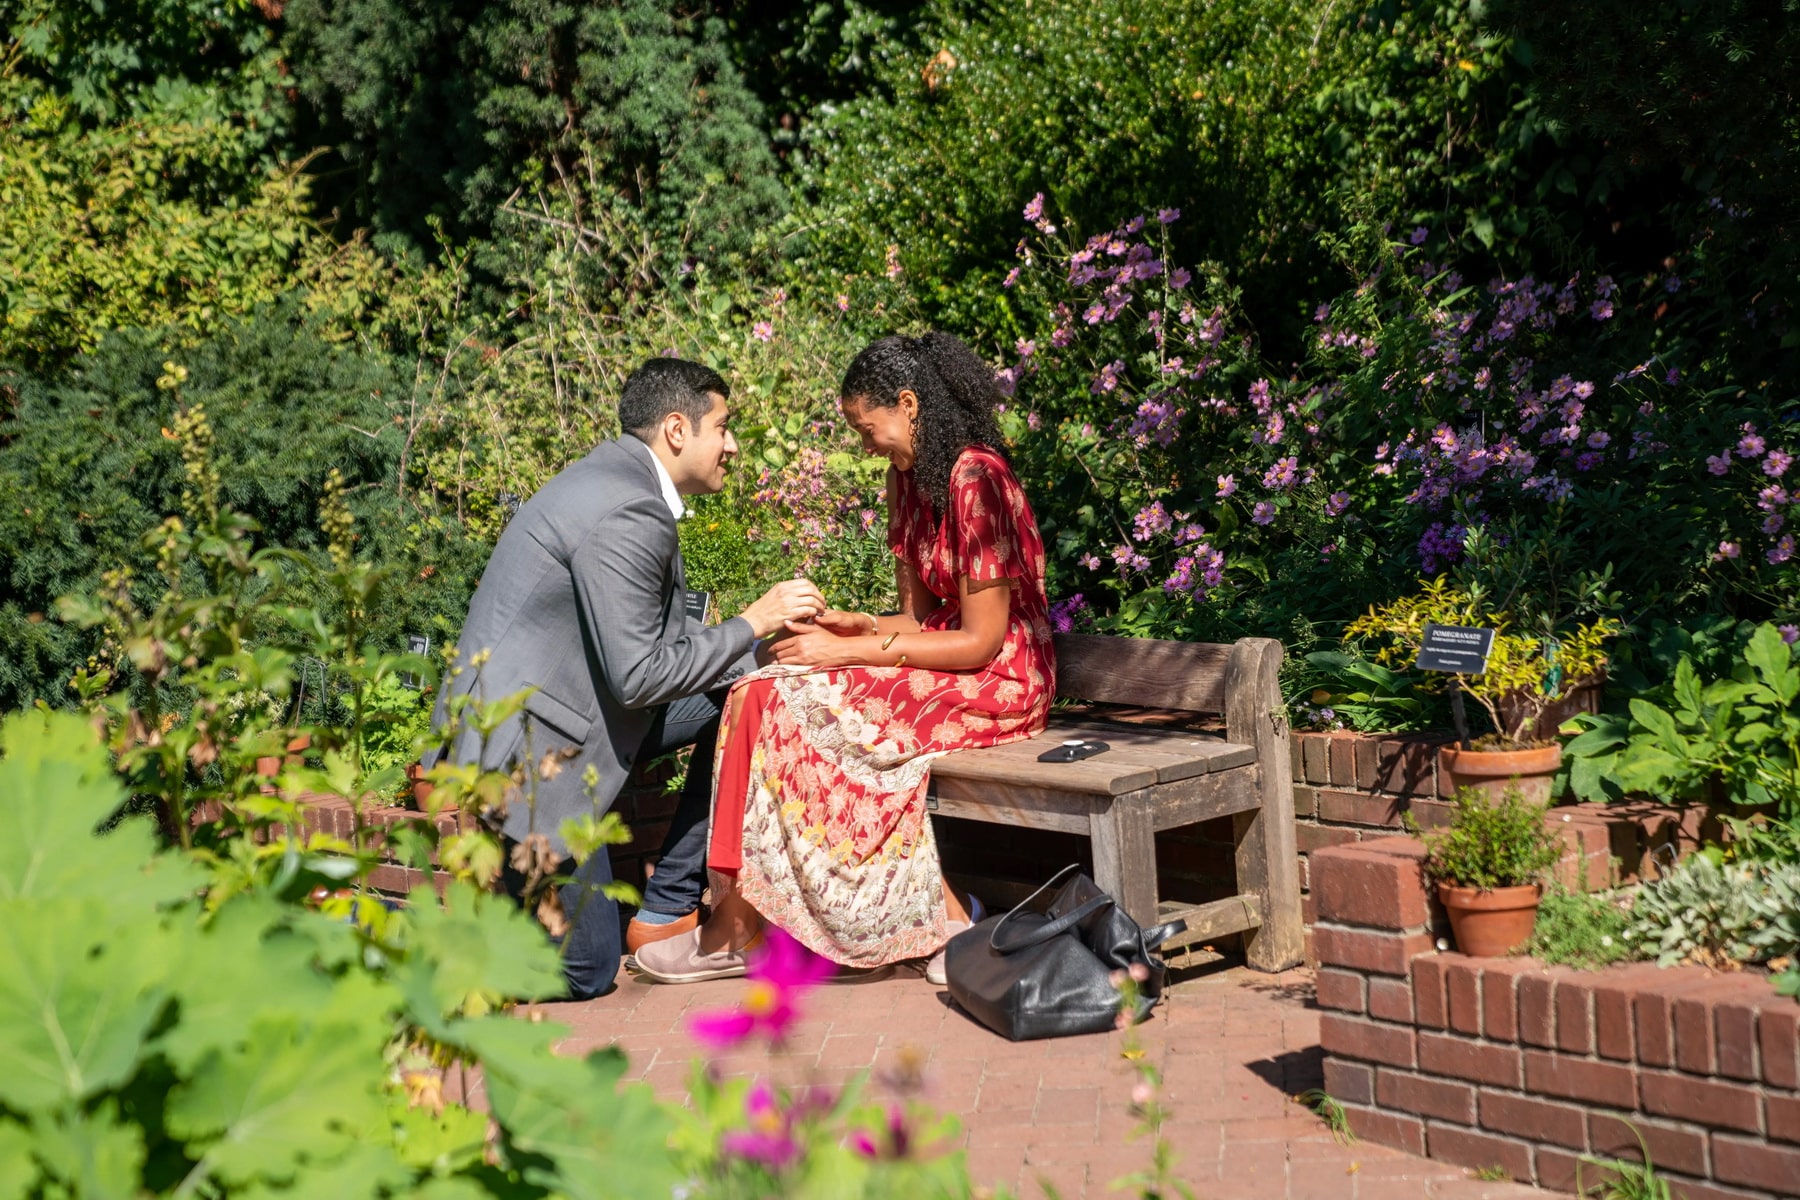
{"x": 584, "y": 601}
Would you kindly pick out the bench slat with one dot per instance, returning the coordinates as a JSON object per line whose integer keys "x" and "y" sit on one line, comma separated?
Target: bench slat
{"x": 1138, "y": 758}
{"x": 1116, "y": 670}
{"x": 1234, "y": 914}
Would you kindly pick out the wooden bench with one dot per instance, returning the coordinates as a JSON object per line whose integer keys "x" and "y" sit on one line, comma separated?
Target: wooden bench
{"x": 1157, "y": 778}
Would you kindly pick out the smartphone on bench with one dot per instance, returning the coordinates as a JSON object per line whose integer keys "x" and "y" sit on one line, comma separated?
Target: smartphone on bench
{"x": 1073, "y": 750}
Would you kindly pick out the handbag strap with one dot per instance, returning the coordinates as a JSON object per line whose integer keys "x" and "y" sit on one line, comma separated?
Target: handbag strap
{"x": 1049, "y": 929}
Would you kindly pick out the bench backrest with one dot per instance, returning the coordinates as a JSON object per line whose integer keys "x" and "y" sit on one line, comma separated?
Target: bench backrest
{"x": 1239, "y": 680}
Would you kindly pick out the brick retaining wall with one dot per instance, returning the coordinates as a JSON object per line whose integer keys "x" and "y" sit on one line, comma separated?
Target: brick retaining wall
{"x": 1509, "y": 1063}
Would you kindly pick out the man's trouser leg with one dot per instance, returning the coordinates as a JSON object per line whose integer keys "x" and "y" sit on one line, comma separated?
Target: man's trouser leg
{"x": 680, "y": 877}
{"x": 591, "y": 945}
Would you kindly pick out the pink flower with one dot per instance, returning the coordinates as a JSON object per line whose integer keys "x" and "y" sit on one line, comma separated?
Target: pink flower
{"x": 769, "y": 1139}
{"x": 1034, "y": 208}
{"x": 843, "y": 302}
{"x": 1727, "y": 550}
{"x": 1179, "y": 278}
{"x": 1012, "y": 277}
{"x": 780, "y": 974}
{"x": 1777, "y": 463}
{"x": 1227, "y": 485}
{"x": 1025, "y": 347}
{"x": 1783, "y": 550}
{"x": 1718, "y": 464}
{"x": 1167, "y": 216}
{"x": 1091, "y": 562}
{"x": 1750, "y": 445}
{"x": 1336, "y": 503}
{"x": 762, "y": 331}
{"x": 1263, "y": 513}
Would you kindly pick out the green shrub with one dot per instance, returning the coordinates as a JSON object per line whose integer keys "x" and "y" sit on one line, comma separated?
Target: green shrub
{"x": 1581, "y": 929}
{"x": 1718, "y": 914}
{"x": 1491, "y": 843}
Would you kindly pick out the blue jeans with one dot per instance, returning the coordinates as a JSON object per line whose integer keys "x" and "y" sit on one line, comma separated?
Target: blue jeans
{"x": 592, "y": 945}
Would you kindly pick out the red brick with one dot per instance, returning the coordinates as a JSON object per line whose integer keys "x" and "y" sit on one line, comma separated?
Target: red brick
{"x": 1387, "y": 1129}
{"x": 1673, "y": 1147}
{"x": 1390, "y": 1000}
{"x": 1313, "y": 838}
{"x": 1354, "y": 1037}
{"x": 1471, "y": 1148}
{"x": 1425, "y": 1096}
{"x": 1534, "y": 1119}
{"x": 1499, "y": 996}
{"x": 1614, "y": 992}
{"x": 1359, "y": 885}
{"x": 1537, "y": 1012}
{"x": 1566, "y": 1171}
{"x": 1778, "y": 1037}
{"x": 1342, "y": 759}
{"x": 1461, "y": 1058}
{"x": 1693, "y": 1189}
{"x": 1306, "y": 801}
{"x": 1724, "y": 1105}
{"x": 1574, "y": 1017}
{"x": 1359, "y": 808}
{"x": 1428, "y": 991}
{"x": 1314, "y": 757}
{"x": 1462, "y": 994}
{"x": 1653, "y": 1013}
{"x": 1349, "y": 1082}
{"x": 1409, "y": 765}
{"x": 1344, "y": 991}
{"x": 1692, "y": 1016}
{"x": 1431, "y": 814}
{"x": 1297, "y": 752}
{"x": 1783, "y": 1116}
{"x": 1756, "y": 1164}
{"x": 1580, "y": 1079}
{"x": 1586, "y": 863}
{"x": 1734, "y": 1033}
{"x": 1368, "y": 949}
{"x": 1368, "y": 769}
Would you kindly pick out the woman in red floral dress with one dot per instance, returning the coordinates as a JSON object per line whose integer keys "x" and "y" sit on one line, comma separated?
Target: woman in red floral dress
{"x": 819, "y": 820}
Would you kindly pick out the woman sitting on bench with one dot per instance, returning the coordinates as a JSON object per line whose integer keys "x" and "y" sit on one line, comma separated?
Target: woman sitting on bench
{"x": 819, "y": 821}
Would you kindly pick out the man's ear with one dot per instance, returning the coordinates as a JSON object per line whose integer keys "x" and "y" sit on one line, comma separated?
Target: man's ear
{"x": 675, "y": 431}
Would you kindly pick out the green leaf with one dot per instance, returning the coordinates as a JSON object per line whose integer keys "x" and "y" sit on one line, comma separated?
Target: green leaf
{"x": 18, "y": 1170}
{"x": 95, "y": 1156}
{"x": 443, "y": 1142}
{"x": 290, "y": 1094}
{"x": 79, "y": 990}
{"x": 1659, "y": 723}
{"x": 473, "y": 944}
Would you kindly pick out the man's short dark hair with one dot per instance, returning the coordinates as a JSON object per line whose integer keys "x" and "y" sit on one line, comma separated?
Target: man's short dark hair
{"x": 668, "y": 385}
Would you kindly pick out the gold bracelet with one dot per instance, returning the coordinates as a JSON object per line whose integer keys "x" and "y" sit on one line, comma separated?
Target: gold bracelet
{"x": 890, "y": 640}
{"x": 874, "y": 624}
{"x": 901, "y": 661}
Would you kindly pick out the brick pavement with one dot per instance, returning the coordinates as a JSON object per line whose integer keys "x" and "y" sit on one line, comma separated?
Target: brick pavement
{"x": 1233, "y": 1046}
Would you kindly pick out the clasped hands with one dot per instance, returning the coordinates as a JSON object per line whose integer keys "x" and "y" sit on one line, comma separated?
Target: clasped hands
{"x": 802, "y": 630}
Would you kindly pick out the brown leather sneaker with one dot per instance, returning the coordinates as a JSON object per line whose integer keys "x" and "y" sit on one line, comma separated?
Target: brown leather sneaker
{"x": 638, "y": 935}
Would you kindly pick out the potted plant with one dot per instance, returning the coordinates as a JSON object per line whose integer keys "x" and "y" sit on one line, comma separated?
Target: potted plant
{"x": 1528, "y": 677}
{"x": 1486, "y": 866}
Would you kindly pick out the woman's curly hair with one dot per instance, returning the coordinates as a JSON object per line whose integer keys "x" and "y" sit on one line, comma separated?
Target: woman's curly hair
{"x": 957, "y": 398}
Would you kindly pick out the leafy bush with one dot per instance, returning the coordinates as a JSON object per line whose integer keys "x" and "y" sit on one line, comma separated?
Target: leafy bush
{"x": 1581, "y": 929}
{"x": 1491, "y": 843}
{"x": 1718, "y": 914}
{"x": 1344, "y": 691}
{"x": 1734, "y": 739}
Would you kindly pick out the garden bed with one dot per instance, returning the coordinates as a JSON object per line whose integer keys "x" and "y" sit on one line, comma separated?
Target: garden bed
{"x": 1512, "y": 1064}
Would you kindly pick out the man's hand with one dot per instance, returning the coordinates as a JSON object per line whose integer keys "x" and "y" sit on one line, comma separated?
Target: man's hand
{"x": 844, "y": 624}
{"x": 816, "y": 650}
{"x": 789, "y": 600}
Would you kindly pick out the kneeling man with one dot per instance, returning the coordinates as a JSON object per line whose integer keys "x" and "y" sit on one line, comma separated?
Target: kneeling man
{"x": 584, "y": 600}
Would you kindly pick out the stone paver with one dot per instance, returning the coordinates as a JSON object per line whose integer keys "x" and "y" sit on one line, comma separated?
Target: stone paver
{"x": 1234, "y": 1046}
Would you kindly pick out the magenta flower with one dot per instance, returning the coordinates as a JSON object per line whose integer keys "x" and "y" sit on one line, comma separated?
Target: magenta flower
{"x": 1150, "y": 521}
{"x": 769, "y": 1139}
{"x": 780, "y": 974}
{"x": 1777, "y": 463}
{"x": 1263, "y": 513}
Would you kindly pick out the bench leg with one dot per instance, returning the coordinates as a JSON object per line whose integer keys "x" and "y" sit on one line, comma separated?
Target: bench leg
{"x": 1125, "y": 859}
{"x": 1267, "y": 865}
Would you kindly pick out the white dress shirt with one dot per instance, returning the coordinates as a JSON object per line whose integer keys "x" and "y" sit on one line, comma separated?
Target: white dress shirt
{"x": 671, "y": 497}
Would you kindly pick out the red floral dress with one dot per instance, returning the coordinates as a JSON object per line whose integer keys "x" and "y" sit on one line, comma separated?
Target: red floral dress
{"x": 828, "y": 768}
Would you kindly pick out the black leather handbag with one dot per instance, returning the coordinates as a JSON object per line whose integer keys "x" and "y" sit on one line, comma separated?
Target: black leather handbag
{"x": 1032, "y": 975}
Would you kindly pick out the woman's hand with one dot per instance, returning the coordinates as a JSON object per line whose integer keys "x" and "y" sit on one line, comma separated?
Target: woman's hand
{"x": 843, "y": 624}
{"x": 813, "y": 648}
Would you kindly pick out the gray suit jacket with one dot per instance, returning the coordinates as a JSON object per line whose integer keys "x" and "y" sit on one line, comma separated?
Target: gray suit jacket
{"x": 583, "y": 600}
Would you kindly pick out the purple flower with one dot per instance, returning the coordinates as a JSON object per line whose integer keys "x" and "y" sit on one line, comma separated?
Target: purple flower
{"x": 1150, "y": 521}
{"x": 1777, "y": 463}
{"x": 1263, "y": 513}
{"x": 1419, "y": 235}
{"x": 1718, "y": 464}
{"x": 1282, "y": 474}
{"x": 1034, "y": 208}
{"x": 1783, "y": 550}
{"x": 1179, "y": 278}
{"x": 1012, "y": 277}
{"x": 1601, "y": 310}
{"x": 1587, "y": 460}
{"x": 762, "y": 331}
{"x": 1599, "y": 440}
{"x": 1789, "y": 633}
{"x": 1065, "y": 614}
{"x": 1227, "y": 485}
{"x": 1006, "y": 380}
{"x": 1750, "y": 446}
{"x": 1167, "y": 216}
{"x": 1336, "y": 503}
{"x": 780, "y": 974}
{"x": 1727, "y": 550}
{"x": 1772, "y": 524}
{"x": 1108, "y": 378}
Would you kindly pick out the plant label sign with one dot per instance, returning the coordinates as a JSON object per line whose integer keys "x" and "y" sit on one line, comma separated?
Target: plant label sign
{"x": 696, "y": 605}
{"x": 1457, "y": 649}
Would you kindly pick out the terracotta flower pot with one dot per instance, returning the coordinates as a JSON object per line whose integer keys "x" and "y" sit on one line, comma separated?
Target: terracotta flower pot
{"x": 1491, "y": 924}
{"x": 421, "y": 786}
{"x": 1493, "y": 771}
{"x": 270, "y": 766}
